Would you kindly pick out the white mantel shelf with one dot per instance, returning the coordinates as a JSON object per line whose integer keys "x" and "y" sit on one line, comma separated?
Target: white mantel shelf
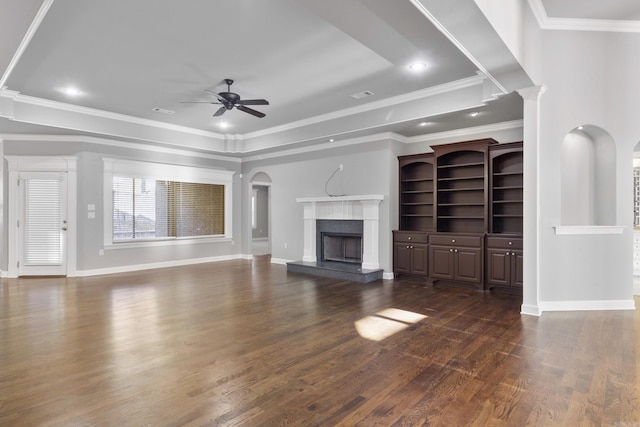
{"x": 365, "y": 208}
{"x": 340, "y": 198}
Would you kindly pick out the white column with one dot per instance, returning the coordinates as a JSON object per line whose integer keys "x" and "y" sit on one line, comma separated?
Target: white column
{"x": 370, "y": 235}
{"x": 309, "y": 212}
{"x": 531, "y": 226}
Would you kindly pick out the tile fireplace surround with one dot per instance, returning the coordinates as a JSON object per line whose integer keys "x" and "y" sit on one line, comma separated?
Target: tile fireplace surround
{"x": 365, "y": 208}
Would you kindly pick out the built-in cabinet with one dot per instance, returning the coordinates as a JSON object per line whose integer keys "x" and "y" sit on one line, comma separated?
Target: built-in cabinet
{"x": 462, "y": 204}
{"x": 410, "y": 254}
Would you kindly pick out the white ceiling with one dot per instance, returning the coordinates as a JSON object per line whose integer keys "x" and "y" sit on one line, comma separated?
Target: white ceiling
{"x": 306, "y": 57}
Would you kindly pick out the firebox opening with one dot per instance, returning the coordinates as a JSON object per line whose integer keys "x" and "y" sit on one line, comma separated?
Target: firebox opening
{"x": 342, "y": 248}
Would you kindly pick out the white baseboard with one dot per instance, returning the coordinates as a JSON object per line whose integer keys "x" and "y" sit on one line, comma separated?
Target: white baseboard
{"x": 587, "y": 305}
{"x": 387, "y": 276}
{"x": 280, "y": 261}
{"x": 176, "y": 263}
{"x": 531, "y": 310}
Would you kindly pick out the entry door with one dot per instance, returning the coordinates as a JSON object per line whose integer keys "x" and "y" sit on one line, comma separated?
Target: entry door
{"x": 42, "y": 224}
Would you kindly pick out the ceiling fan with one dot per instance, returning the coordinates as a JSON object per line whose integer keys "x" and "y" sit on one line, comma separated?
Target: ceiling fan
{"x": 229, "y": 100}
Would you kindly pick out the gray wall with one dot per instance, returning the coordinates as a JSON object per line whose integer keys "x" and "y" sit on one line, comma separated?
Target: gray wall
{"x": 591, "y": 79}
{"x": 90, "y": 232}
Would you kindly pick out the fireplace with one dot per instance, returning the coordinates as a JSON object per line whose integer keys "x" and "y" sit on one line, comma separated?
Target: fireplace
{"x": 339, "y": 240}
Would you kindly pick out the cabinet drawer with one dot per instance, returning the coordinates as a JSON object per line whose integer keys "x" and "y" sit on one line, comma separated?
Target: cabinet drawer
{"x": 410, "y": 236}
{"x": 504, "y": 242}
{"x": 455, "y": 240}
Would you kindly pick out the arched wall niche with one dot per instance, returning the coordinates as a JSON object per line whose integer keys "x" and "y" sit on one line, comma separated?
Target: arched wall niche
{"x": 588, "y": 178}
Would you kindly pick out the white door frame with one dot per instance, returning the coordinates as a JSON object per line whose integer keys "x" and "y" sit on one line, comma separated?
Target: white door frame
{"x": 17, "y": 164}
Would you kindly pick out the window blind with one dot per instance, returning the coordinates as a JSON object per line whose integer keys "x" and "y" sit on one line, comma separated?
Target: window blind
{"x": 42, "y": 223}
{"x": 148, "y": 208}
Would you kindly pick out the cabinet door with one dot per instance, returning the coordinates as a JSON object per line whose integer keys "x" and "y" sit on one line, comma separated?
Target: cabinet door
{"x": 516, "y": 269}
{"x": 401, "y": 258}
{"x": 441, "y": 262}
{"x": 498, "y": 267}
{"x": 419, "y": 258}
{"x": 468, "y": 264}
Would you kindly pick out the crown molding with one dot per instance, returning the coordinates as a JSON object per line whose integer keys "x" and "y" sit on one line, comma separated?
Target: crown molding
{"x": 116, "y": 143}
{"x": 37, "y": 20}
{"x": 390, "y": 136}
{"x": 580, "y": 24}
{"x": 387, "y": 102}
{"x": 41, "y": 102}
{"x": 458, "y": 133}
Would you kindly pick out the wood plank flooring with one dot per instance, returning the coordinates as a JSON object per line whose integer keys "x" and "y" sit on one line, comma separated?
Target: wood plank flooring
{"x": 244, "y": 343}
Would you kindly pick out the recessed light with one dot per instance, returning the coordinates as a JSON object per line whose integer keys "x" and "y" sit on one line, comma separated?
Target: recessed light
{"x": 223, "y": 124}
{"x": 71, "y": 91}
{"x": 362, "y": 94}
{"x": 423, "y": 123}
{"x": 331, "y": 140}
{"x": 474, "y": 114}
{"x": 163, "y": 111}
{"x": 580, "y": 127}
{"x": 417, "y": 66}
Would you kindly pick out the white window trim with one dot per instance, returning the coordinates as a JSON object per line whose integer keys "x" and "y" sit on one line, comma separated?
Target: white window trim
{"x": 161, "y": 171}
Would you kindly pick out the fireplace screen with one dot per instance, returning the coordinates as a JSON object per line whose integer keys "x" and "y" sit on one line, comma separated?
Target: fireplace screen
{"x": 342, "y": 248}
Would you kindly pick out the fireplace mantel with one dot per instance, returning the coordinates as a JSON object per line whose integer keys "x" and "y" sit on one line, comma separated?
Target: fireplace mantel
{"x": 365, "y": 208}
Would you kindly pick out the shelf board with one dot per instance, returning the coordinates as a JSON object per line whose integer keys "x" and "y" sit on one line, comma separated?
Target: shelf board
{"x": 507, "y": 215}
{"x": 507, "y": 173}
{"x": 461, "y": 178}
{"x": 509, "y": 187}
{"x": 417, "y": 215}
{"x": 461, "y": 165}
{"x": 449, "y": 190}
{"x": 460, "y": 204}
{"x": 507, "y": 201}
{"x": 417, "y": 192}
{"x": 416, "y": 179}
{"x": 416, "y": 204}
{"x": 460, "y": 217}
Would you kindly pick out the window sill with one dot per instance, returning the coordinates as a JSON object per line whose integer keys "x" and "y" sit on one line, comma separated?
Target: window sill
{"x": 579, "y": 230}
{"x": 167, "y": 242}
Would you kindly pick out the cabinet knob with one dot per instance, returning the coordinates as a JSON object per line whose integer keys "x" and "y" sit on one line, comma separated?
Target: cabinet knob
{"x": 450, "y": 250}
{"x": 513, "y": 254}
{"x": 409, "y": 238}
{"x": 455, "y": 250}
{"x": 453, "y": 240}
{"x": 507, "y": 252}
{"x": 408, "y": 247}
{"x": 510, "y": 243}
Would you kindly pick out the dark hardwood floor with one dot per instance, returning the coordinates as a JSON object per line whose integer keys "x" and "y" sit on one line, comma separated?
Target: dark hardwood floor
{"x": 245, "y": 343}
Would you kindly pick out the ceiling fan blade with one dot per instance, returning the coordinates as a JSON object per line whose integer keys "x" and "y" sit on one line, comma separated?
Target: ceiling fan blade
{"x": 217, "y": 95}
{"x": 253, "y": 102}
{"x": 250, "y": 111}
{"x": 199, "y": 102}
{"x": 220, "y": 111}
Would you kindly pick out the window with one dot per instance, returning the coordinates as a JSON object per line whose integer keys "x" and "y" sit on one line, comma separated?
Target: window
{"x": 165, "y": 202}
{"x": 149, "y": 208}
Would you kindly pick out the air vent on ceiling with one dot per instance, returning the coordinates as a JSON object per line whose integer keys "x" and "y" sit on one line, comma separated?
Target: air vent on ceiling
{"x": 362, "y": 94}
{"x": 163, "y": 111}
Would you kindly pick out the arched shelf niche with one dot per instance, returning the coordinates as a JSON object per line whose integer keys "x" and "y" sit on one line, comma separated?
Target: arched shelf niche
{"x": 588, "y": 182}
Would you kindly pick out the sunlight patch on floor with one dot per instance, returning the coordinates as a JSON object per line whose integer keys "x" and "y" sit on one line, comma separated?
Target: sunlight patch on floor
{"x": 386, "y": 322}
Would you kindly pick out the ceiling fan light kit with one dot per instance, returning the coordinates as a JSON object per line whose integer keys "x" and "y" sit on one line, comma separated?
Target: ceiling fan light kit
{"x": 229, "y": 99}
